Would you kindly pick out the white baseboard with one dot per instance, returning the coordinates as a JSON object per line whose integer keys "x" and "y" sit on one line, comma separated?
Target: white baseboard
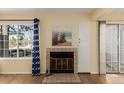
{"x": 42, "y": 72}
{"x": 90, "y": 72}
{"x": 94, "y": 73}
{"x": 31, "y": 73}
{"x": 18, "y": 72}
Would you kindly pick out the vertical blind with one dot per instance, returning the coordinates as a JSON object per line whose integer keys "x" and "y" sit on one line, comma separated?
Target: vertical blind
{"x": 112, "y": 53}
{"x": 111, "y": 48}
{"x": 121, "y": 50}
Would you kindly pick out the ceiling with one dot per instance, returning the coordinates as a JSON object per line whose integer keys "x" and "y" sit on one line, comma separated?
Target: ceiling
{"x": 118, "y": 10}
{"x": 40, "y": 10}
{"x": 53, "y": 10}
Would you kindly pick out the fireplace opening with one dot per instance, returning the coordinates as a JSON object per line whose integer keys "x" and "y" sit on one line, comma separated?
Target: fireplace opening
{"x": 61, "y": 62}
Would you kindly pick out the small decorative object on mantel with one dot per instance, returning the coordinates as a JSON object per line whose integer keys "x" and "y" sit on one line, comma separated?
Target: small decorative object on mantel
{"x": 61, "y": 36}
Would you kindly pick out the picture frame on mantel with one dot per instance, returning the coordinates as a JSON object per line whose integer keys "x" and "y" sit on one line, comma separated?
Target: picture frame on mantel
{"x": 62, "y": 36}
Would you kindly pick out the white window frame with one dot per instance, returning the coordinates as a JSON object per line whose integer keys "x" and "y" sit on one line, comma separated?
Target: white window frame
{"x": 17, "y": 23}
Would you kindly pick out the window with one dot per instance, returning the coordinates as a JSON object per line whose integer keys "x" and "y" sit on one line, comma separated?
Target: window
{"x": 16, "y": 40}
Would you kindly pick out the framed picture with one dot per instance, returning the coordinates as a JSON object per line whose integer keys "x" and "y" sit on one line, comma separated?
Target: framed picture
{"x": 62, "y": 36}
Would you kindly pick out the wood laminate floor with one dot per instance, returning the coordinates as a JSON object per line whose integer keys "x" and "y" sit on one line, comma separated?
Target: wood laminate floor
{"x": 20, "y": 79}
{"x": 85, "y": 79}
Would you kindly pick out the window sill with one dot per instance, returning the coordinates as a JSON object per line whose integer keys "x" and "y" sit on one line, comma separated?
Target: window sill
{"x": 15, "y": 58}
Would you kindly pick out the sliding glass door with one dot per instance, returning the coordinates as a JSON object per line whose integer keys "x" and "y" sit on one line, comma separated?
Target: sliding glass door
{"x": 121, "y": 48}
{"x": 112, "y": 48}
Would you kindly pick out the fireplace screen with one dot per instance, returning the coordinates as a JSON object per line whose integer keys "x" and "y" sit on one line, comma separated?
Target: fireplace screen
{"x": 61, "y": 62}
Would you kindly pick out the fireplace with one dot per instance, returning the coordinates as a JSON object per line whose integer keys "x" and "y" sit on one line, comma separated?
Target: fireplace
{"x": 61, "y": 62}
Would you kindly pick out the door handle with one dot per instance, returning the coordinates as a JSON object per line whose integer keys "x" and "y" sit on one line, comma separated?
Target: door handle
{"x": 79, "y": 40}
